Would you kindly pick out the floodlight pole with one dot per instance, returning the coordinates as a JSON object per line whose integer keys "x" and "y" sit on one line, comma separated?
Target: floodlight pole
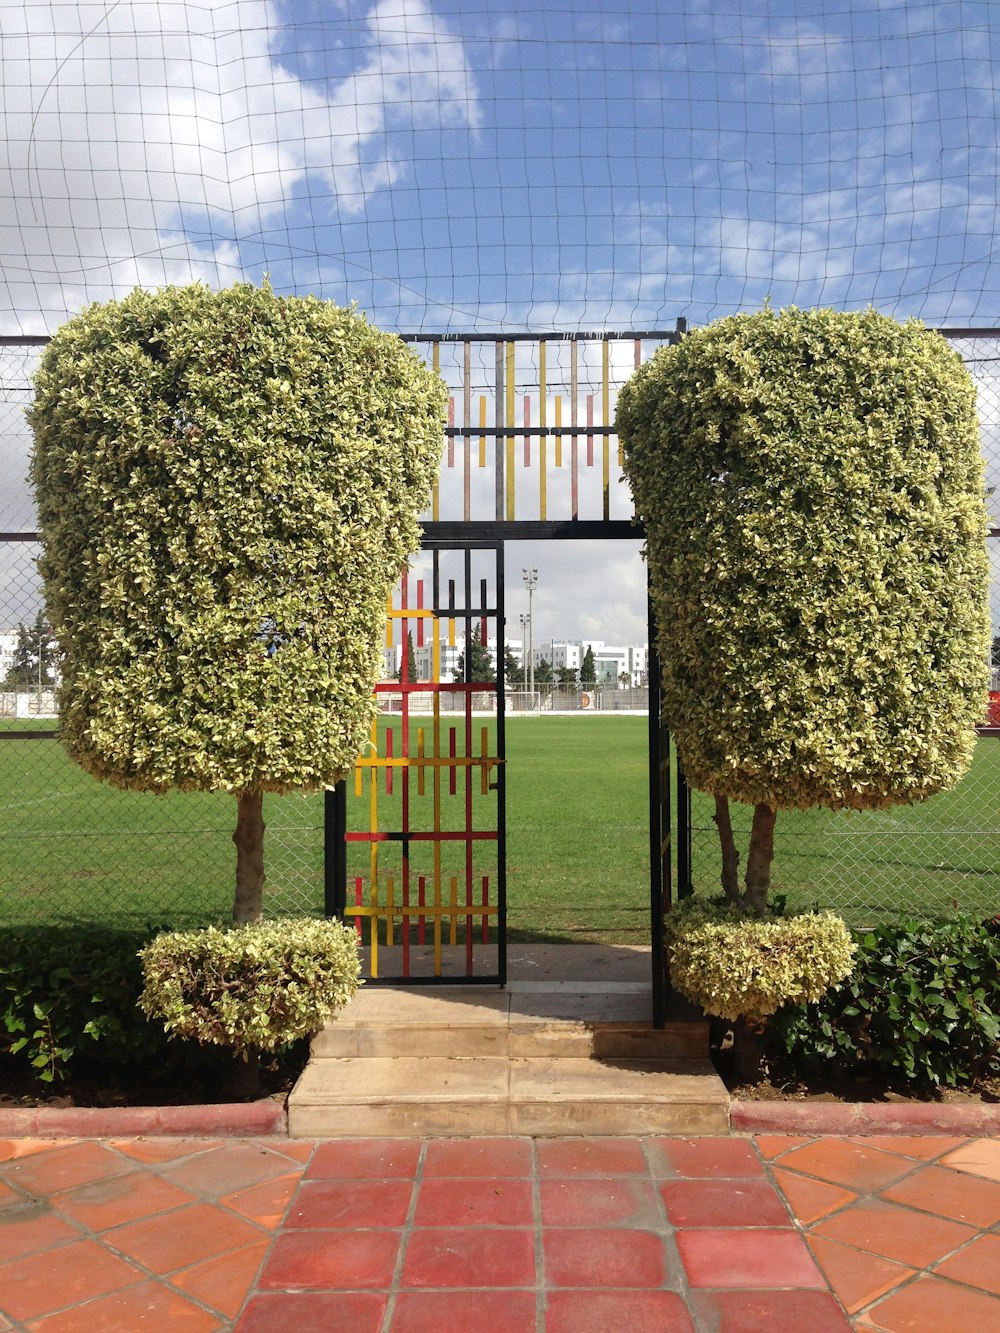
{"x": 530, "y": 577}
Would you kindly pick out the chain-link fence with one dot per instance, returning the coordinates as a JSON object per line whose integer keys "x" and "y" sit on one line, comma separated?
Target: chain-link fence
{"x": 72, "y": 848}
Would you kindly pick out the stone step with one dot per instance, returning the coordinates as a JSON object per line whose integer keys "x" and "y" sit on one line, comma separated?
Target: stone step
{"x": 364, "y": 1097}
{"x": 525, "y": 1022}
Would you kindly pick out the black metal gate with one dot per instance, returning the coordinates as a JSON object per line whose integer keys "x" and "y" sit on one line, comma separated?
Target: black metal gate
{"x": 419, "y": 840}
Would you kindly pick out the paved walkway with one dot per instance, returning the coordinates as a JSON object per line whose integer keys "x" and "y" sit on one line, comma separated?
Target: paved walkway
{"x": 510, "y": 1235}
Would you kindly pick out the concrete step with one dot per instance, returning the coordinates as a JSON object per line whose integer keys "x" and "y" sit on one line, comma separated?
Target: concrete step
{"x": 433, "y": 1095}
{"x": 527, "y": 1021}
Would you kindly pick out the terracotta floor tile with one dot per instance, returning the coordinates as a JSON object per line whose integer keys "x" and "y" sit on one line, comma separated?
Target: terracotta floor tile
{"x": 110, "y": 1203}
{"x": 150, "y": 1151}
{"x": 360, "y": 1159}
{"x": 590, "y": 1157}
{"x": 265, "y": 1203}
{"x": 747, "y": 1259}
{"x": 315, "y": 1312}
{"x": 924, "y": 1147}
{"x": 704, "y": 1159}
{"x": 810, "y": 1199}
{"x": 769, "y": 1312}
{"x": 175, "y": 1240}
{"x": 978, "y": 1264}
{"x": 486, "y": 1257}
{"x": 144, "y": 1305}
{"x": 227, "y": 1168}
{"x": 317, "y": 1261}
{"x": 894, "y": 1232}
{"x": 298, "y": 1151}
{"x": 858, "y": 1278}
{"x": 955, "y": 1194}
{"x": 620, "y": 1200}
{"x": 472, "y": 1201}
{"x": 478, "y": 1157}
{"x": 85, "y": 1271}
{"x": 603, "y": 1258}
{"x": 612, "y": 1311}
{"x": 31, "y": 1226}
{"x": 76, "y": 1164}
{"x": 931, "y": 1303}
{"x": 773, "y": 1145}
{"x": 855, "y": 1166}
{"x": 980, "y": 1158}
{"x": 351, "y": 1203}
{"x": 11, "y": 1148}
{"x": 9, "y": 1195}
{"x": 223, "y": 1283}
{"x": 724, "y": 1203}
{"x": 463, "y": 1311}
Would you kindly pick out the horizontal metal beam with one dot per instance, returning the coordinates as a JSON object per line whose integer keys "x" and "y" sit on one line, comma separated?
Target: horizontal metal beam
{"x": 521, "y": 530}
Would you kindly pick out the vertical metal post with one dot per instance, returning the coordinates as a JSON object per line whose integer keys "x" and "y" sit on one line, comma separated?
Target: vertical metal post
{"x": 335, "y": 851}
{"x": 501, "y": 772}
{"x": 684, "y": 885}
{"x": 659, "y": 837}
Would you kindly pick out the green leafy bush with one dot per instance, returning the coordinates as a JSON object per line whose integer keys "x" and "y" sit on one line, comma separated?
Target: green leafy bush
{"x": 253, "y": 987}
{"x": 922, "y": 1005}
{"x": 735, "y": 966}
{"x": 69, "y": 1001}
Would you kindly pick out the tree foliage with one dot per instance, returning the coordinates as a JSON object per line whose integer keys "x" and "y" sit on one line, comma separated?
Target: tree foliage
{"x": 481, "y": 668}
{"x": 228, "y": 484}
{"x": 588, "y": 670}
{"x": 34, "y": 659}
{"x": 812, "y": 490}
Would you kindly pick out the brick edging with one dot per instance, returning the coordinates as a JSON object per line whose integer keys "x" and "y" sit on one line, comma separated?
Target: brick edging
{"x": 961, "y": 1118}
{"x": 229, "y": 1120}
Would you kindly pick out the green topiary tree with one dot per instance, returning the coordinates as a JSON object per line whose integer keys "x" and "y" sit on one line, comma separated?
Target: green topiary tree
{"x": 812, "y": 490}
{"x": 228, "y": 484}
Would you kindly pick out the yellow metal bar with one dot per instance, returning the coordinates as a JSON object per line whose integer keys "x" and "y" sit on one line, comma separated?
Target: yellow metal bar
{"x": 605, "y": 409}
{"x": 390, "y": 885}
{"x": 558, "y": 424}
{"x": 451, "y": 634}
{"x": 420, "y": 761}
{"x": 510, "y": 438}
{"x": 389, "y": 617}
{"x": 482, "y": 423}
{"x": 436, "y": 672}
{"x": 415, "y": 909}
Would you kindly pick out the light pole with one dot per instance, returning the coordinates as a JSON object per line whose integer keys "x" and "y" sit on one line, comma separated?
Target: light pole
{"x": 524, "y": 651}
{"x": 530, "y": 577}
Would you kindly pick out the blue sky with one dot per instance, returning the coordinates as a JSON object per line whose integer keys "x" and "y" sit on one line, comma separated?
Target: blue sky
{"x": 500, "y": 165}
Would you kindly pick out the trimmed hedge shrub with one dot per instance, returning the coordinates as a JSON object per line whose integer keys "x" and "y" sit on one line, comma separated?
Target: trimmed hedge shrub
{"x": 252, "y": 988}
{"x": 922, "y": 1006}
{"x": 228, "y": 485}
{"x": 812, "y": 490}
{"x": 738, "y": 967}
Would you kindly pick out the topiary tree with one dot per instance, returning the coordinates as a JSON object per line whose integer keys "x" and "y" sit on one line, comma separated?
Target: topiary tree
{"x": 812, "y": 490}
{"x": 588, "y": 668}
{"x": 228, "y": 484}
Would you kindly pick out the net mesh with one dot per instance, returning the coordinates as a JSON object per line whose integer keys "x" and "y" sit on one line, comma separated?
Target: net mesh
{"x": 503, "y": 166}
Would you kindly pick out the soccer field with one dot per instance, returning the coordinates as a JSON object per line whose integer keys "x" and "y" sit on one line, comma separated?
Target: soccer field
{"x": 577, "y": 843}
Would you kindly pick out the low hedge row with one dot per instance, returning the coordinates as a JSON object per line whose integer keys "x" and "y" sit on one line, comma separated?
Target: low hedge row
{"x": 921, "y": 1007}
{"x": 69, "y": 1003}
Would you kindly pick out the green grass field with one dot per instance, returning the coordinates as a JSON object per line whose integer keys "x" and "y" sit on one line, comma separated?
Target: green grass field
{"x": 577, "y": 843}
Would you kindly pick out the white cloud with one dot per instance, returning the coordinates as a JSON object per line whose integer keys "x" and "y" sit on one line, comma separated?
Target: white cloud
{"x": 143, "y": 141}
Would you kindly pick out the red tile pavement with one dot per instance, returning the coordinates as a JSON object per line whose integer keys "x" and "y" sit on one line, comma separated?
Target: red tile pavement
{"x": 714, "y": 1235}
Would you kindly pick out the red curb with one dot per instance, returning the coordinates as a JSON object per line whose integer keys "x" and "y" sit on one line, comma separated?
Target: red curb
{"x": 863, "y": 1118}
{"x": 236, "y": 1120}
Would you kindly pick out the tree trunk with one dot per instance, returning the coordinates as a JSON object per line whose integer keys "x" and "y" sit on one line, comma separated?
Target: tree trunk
{"x": 730, "y": 856}
{"x": 759, "y": 858}
{"x": 248, "y": 905}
